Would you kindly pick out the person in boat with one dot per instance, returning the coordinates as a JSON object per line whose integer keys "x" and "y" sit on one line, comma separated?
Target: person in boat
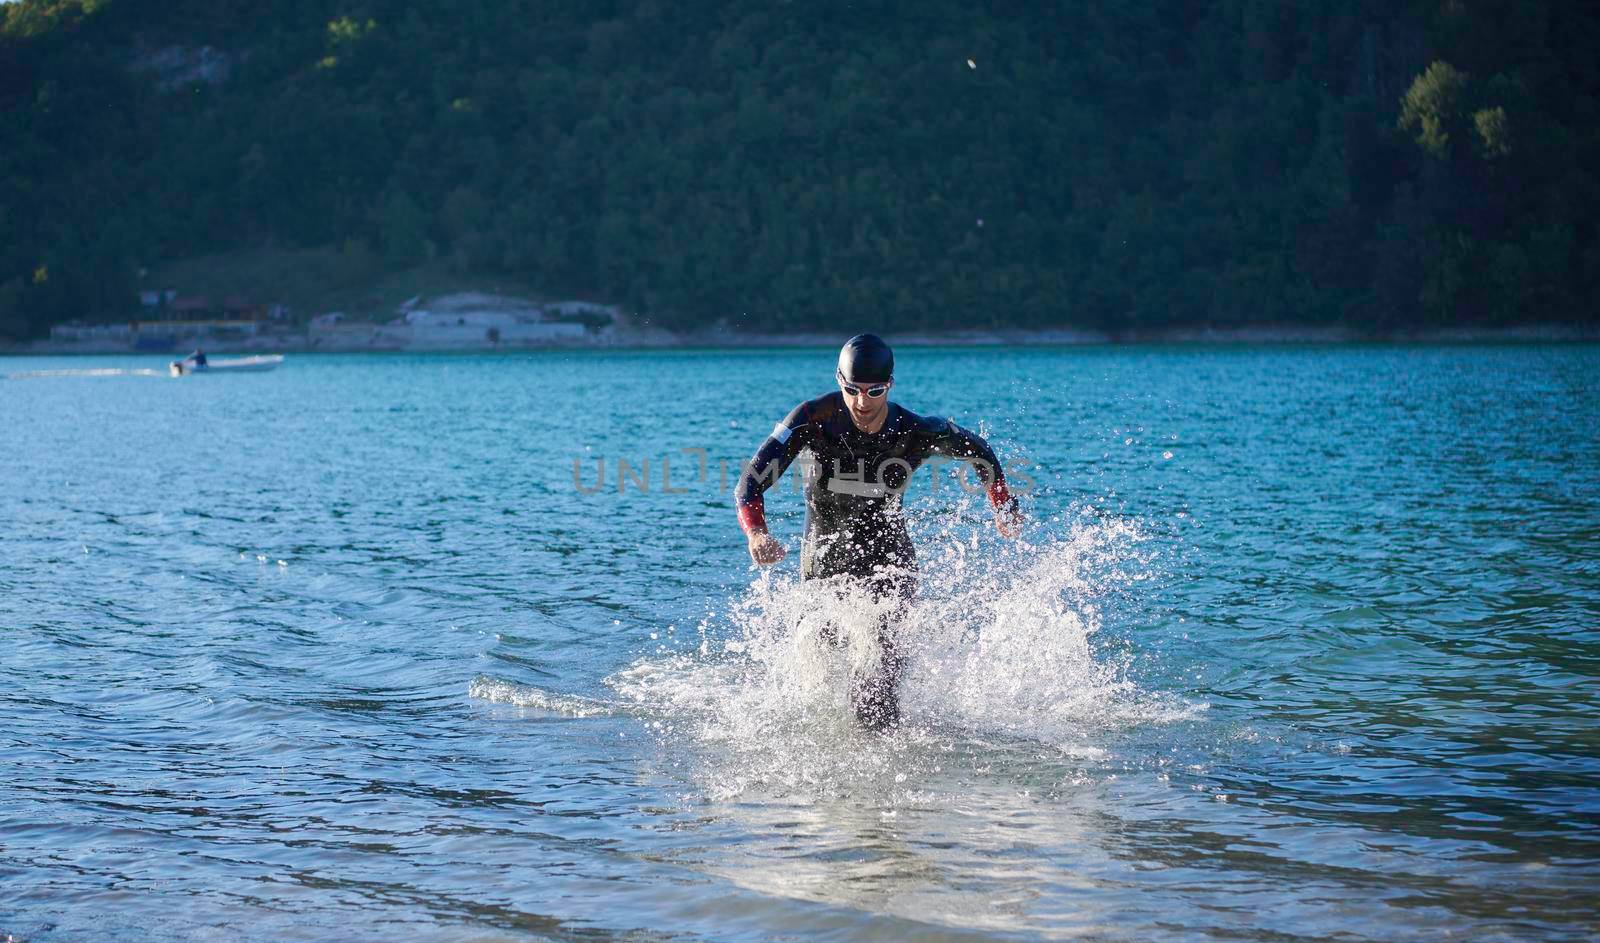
{"x": 865, "y": 449}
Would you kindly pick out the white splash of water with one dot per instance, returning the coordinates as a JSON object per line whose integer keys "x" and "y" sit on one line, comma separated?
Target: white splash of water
{"x": 999, "y": 653}
{"x": 523, "y": 695}
{"x": 1002, "y": 644}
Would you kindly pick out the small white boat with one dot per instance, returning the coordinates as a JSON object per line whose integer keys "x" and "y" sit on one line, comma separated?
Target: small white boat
{"x": 260, "y": 364}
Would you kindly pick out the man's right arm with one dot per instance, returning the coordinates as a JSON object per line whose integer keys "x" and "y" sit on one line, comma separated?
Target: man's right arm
{"x": 788, "y": 439}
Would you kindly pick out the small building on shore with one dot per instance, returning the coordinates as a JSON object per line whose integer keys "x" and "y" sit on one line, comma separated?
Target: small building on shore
{"x": 167, "y": 319}
{"x": 78, "y": 331}
{"x": 477, "y": 320}
{"x": 199, "y": 317}
{"x": 467, "y": 329}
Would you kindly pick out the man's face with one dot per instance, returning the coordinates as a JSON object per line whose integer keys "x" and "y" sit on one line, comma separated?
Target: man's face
{"x": 867, "y": 410}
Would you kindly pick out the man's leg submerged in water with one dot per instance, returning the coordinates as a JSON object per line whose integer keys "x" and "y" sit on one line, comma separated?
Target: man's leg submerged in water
{"x": 887, "y": 570}
{"x": 875, "y": 695}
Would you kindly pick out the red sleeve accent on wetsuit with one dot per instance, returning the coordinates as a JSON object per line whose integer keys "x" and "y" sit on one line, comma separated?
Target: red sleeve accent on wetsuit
{"x": 999, "y": 494}
{"x": 752, "y": 518}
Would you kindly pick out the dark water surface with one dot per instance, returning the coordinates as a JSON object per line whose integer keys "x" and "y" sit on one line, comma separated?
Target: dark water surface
{"x": 1302, "y": 643}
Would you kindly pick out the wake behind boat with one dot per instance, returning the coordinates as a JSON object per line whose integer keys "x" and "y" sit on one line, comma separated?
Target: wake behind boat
{"x": 259, "y": 364}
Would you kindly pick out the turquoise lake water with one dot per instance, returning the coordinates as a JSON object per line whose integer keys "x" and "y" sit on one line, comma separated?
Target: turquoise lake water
{"x": 1300, "y": 643}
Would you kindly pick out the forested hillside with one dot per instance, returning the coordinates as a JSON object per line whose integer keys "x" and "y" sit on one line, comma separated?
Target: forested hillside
{"x": 825, "y": 164}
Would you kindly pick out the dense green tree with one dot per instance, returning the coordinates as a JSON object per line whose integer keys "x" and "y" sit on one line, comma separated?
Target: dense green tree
{"x": 1435, "y": 108}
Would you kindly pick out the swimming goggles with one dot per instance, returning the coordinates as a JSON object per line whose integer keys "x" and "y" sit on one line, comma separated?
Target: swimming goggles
{"x": 876, "y": 390}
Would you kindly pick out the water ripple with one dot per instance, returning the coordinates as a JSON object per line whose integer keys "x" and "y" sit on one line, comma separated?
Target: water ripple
{"x": 1302, "y": 645}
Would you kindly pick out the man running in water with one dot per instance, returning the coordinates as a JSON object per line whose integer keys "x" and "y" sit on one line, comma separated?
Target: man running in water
{"x": 866, "y": 449}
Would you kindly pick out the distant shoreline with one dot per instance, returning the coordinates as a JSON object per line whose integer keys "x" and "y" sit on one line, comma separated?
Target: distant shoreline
{"x": 646, "y": 339}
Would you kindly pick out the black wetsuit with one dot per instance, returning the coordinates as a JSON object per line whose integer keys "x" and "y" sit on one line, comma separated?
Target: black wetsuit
{"x": 853, "y": 492}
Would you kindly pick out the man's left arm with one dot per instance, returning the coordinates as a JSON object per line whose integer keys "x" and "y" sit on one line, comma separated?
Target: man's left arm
{"x": 955, "y": 442}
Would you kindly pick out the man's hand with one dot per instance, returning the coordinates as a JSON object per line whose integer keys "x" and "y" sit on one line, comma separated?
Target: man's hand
{"x": 1008, "y": 520}
{"x": 765, "y": 549}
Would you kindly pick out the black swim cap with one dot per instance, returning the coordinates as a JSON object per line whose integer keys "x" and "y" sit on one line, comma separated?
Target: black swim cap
{"x": 865, "y": 358}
